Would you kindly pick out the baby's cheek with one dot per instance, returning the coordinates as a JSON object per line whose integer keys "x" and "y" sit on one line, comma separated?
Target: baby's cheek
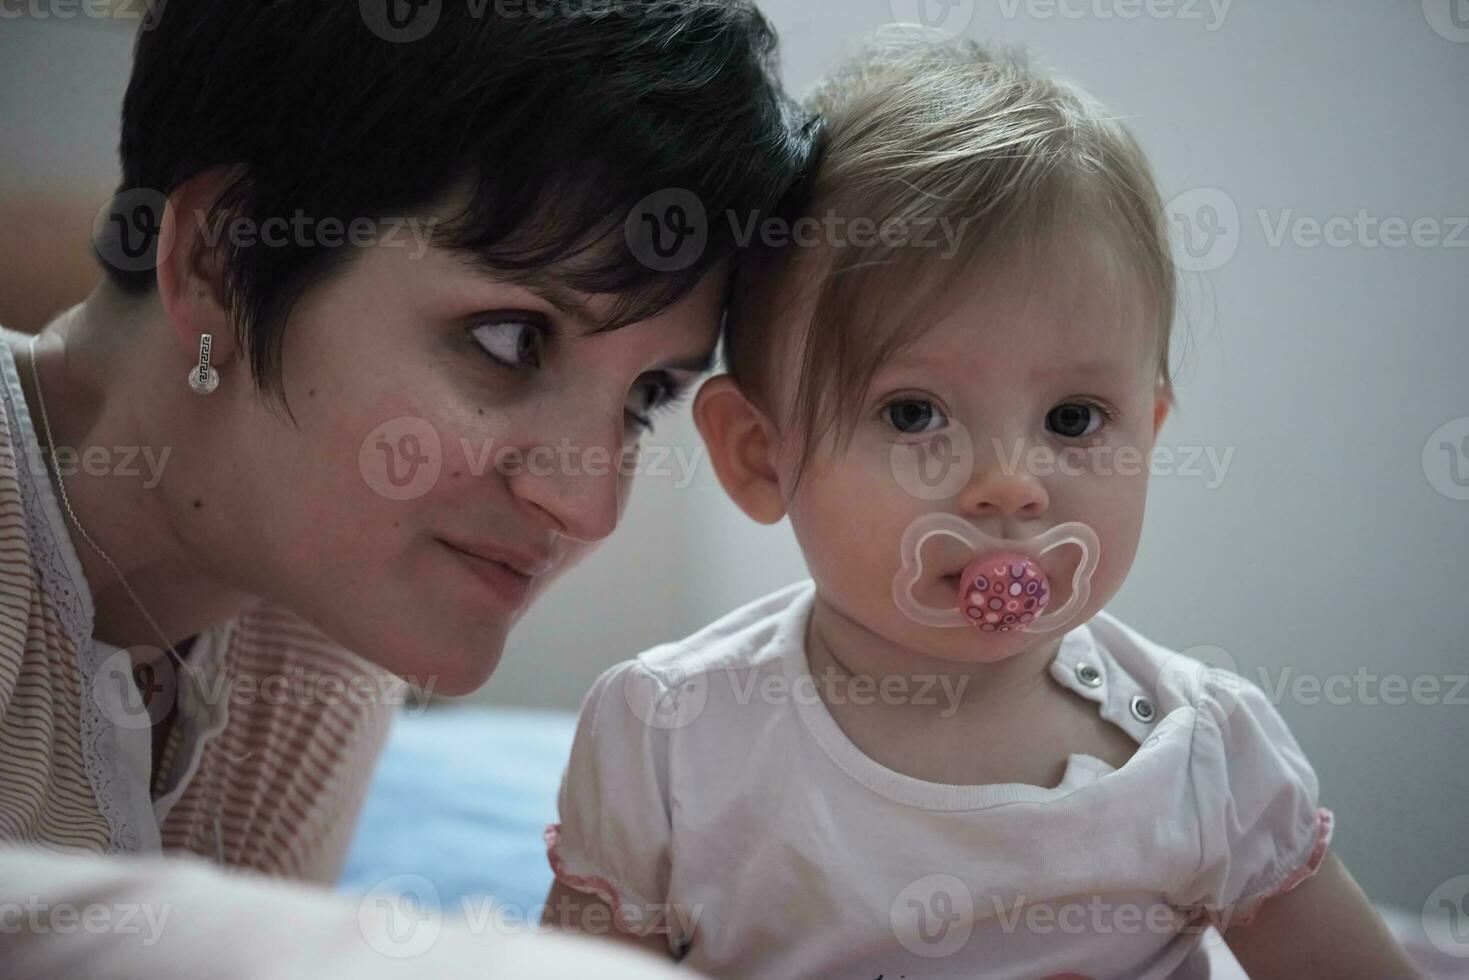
{"x": 844, "y": 544}
{"x": 1118, "y": 528}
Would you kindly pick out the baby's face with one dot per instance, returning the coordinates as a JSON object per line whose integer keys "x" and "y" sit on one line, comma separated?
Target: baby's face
{"x": 1031, "y": 403}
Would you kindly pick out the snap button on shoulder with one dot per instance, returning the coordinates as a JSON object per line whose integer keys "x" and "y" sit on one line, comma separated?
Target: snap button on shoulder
{"x": 1142, "y": 708}
{"x": 1088, "y": 675}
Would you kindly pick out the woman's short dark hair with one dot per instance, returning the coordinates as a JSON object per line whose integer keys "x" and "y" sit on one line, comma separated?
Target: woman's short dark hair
{"x": 540, "y": 124}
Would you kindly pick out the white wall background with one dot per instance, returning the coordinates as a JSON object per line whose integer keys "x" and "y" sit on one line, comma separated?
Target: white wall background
{"x": 1332, "y": 545}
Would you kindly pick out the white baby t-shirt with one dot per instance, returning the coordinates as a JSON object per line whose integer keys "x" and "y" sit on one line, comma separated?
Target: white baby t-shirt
{"x": 711, "y": 796}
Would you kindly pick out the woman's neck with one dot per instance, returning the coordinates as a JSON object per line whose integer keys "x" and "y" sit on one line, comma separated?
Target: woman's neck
{"x": 116, "y": 399}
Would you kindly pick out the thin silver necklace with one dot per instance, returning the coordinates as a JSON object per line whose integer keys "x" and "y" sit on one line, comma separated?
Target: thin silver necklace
{"x": 182, "y": 667}
{"x": 61, "y": 485}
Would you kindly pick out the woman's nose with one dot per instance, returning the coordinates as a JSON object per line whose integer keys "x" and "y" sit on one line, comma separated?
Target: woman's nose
{"x": 577, "y": 488}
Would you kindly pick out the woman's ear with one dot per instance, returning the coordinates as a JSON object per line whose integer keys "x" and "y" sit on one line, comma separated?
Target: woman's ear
{"x": 191, "y": 267}
{"x": 742, "y": 448}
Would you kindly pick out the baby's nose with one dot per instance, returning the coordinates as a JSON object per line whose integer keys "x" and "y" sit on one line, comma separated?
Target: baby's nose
{"x": 1006, "y": 490}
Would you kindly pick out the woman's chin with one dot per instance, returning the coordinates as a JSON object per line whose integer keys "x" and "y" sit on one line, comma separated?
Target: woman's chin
{"x": 457, "y": 685}
{"x": 442, "y": 666}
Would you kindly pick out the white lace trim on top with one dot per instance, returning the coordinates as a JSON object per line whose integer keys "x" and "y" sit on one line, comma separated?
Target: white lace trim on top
{"x": 115, "y": 786}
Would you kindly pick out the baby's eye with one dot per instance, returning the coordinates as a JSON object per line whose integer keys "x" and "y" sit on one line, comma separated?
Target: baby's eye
{"x": 657, "y": 393}
{"x": 912, "y": 416}
{"x": 515, "y": 343}
{"x": 1075, "y": 420}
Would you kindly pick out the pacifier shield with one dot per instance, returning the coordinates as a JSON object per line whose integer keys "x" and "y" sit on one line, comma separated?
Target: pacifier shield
{"x": 1003, "y": 591}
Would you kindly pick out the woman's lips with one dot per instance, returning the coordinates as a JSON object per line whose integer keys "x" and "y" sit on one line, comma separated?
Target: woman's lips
{"x": 504, "y": 582}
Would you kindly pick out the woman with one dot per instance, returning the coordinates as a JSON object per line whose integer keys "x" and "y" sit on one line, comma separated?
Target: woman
{"x": 393, "y": 292}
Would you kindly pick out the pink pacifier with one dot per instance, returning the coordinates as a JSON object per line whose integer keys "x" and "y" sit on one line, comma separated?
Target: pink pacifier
{"x": 1003, "y": 588}
{"x": 1003, "y": 591}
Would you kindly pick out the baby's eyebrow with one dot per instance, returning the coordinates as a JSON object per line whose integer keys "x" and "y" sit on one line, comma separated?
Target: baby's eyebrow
{"x": 1096, "y": 365}
{"x": 1102, "y": 366}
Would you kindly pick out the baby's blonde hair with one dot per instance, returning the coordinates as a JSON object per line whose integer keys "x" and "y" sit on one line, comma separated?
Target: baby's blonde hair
{"x": 917, "y": 131}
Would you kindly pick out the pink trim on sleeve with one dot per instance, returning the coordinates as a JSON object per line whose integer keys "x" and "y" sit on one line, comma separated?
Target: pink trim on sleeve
{"x": 596, "y": 885}
{"x": 1325, "y": 824}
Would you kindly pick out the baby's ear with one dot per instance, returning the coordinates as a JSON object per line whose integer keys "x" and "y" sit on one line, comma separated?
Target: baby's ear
{"x": 1161, "y": 406}
{"x": 741, "y": 446}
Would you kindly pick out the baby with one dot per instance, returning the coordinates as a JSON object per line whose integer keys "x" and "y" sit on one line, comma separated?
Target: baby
{"x": 940, "y": 757}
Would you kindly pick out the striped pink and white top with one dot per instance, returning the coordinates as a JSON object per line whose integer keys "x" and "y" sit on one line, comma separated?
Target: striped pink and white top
{"x": 277, "y": 731}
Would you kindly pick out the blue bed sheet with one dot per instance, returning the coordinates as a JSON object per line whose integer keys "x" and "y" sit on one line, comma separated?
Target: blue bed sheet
{"x": 461, "y": 797}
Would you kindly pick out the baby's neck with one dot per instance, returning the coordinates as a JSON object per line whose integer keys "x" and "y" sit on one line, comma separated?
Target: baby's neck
{"x": 840, "y": 647}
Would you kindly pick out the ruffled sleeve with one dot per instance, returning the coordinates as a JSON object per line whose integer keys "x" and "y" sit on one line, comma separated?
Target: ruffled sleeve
{"x": 613, "y": 837}
{"x": 1261, "y": 829}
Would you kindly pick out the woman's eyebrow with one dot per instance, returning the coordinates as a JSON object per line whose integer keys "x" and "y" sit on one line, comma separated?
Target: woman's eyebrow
{"x": 567, "y": 305}
{"x": 698, "y": 364}
{"x": 580, "y": 314}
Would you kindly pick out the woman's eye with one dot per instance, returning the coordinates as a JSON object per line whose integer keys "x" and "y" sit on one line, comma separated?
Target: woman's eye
{"x": 514, "y": 343}
{"x": 913, "y": 416}
{"x": 1075, "y": 420}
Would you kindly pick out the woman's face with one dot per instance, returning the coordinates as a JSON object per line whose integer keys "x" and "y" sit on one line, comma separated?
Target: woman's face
{"x": 459, "y": 443}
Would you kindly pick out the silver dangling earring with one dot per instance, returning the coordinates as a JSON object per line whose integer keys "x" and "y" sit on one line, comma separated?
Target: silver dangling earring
{"x": 204, "y": 379}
